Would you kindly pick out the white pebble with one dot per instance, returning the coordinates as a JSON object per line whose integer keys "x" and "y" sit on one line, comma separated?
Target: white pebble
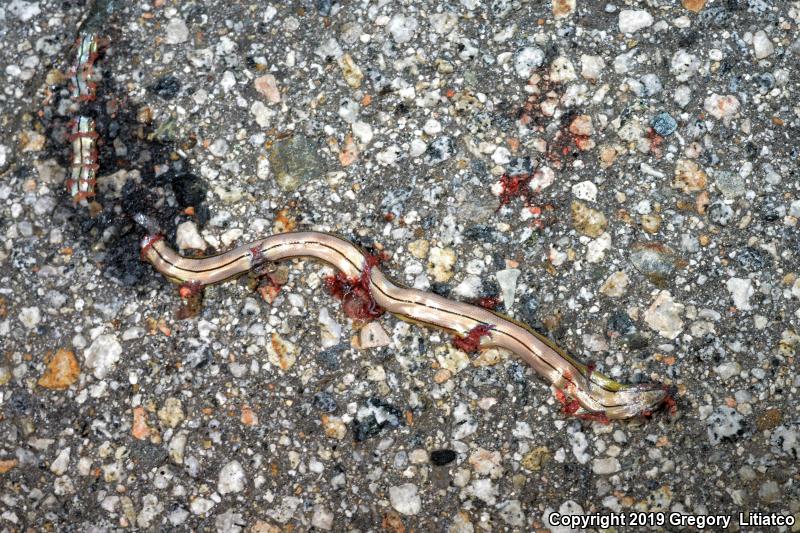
{"x": 231, "y": 478}
{"x": 187, "y": 237}
{"x": 322, "y": 518}
{"x": 562, "y": 70}
{"x": 605, "y": 466}
{"x": 762, "y": 46}
{"x": 741, "y": 290}
{"x": 664, "y": 315}
{"x": 501, "y": 155}
{"x": 592, "y": 67}
{"x": 102, "y": 355}
{"x": 362, "y": 131}
{"x": 585, "y": 190}
{"x": 402, "y": 28}
{"x": 432, "y": 127}
{"x": 177, "y": 32}
{"x": 728, "y": 370}
{"x": 596, "y": 250}
{"x": 61, "y": 462}
{"x": 507, "y": 279}
{"x": 724, "y": 423}
{"x": 633, "y": 20}
{"x": 528, "y": 59}
{"x": 201, "y": 505}
{"x": 405, "y": 499}
{"x": 30, "y": 317}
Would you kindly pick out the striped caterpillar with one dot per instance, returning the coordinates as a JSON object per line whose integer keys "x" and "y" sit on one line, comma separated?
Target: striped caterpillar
{"x": 83, "y": 175}
{"x": 84, "y": 159}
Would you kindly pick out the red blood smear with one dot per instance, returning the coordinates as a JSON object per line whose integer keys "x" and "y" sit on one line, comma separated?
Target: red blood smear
{"x": 514, "y": 186}
{"x": 570, "y": 406}
{"x": 357, "y": 301}
{"x": 190, "y": 288}
{"x": 670, "y": 405}
{"x": 148, "y": 242}
{"x": 489, "y": 302}
{"x": 472, "y": 340}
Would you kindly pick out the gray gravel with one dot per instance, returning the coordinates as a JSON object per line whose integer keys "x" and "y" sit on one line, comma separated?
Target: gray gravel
{"x": 658, "y": 237}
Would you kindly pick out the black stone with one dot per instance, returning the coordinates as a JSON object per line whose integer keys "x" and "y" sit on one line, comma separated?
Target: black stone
{"x": 167, "y": 87}
{"x": 442, "y": 457}
{"x": 325, "y": 402}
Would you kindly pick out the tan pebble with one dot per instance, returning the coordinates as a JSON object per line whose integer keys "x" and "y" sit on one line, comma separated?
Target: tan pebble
{"x": 440, "y": 263}
{"x": 55, "y": 77}
{"x": 281, "y": 352}
{"x": 31, "y": 141}
{"x": 615, "y": 285}
{"x": 334, "y": 427}
{"x": 535, "y": 459}
{"x": 373, "y": 336}
{"x": 581, "y": 125}
{"x": 267, "y": 86}
{"x": 651, "y": 223}
{"x": 248, "y": 417}
{"x": 392, "y": 521}
{"x": 349, "y": 153}
{"x": 62, "y": 370}
{"x": 171, "y": 413}
{"x": 695, "y": 6}
{"x": 607, "y": 156}
{"x": 488, "y": 358}
{"x": 702, "y": 202}
{"x": 704, "y": 239}
{"x": 7, "y": 464}
{"x": 588, "y": 221}
{"x": 419, "y": 248}
{"x": 689, "y": 177}
{"x": 452, "y": 359}
{"x": 140, "y": 429}
{"x": 264, "y": 527}
{"x": 350, "y": 71}
{"x": 563, "y": 8}
{"x": 442, "y": 375}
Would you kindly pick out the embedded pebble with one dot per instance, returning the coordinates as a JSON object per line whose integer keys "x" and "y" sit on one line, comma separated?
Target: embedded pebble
{"x": 588, "y": 221}
{"x": 507, "y": 279}
{"x": 373, "y": 336}
{"x": 633, "y": 20}
{"x": 664, "y": 124}
{"x": 61, "y": 462}
{"x": 267, "y": 85}
{"x": 188, "y": 237}
{"x": 605, "y": 466}
{"x": 664, "y": 315}
{"x": 585, "y": 190}
{"x": 402, "y": 28}
{"x": 615, "y": 285}
{"x": 722, "y": 107}
{"x": 741, "y": 291}
{"x": 30, "y": 317}
{"x": 102, "y": 355}
{"x": 440, "y": 263}
{"x": 62, "y": 370}
{"x": 592, "y": 67}
{"x": 527, "y": 59}
{"x": 762, "y": 45}
{"x": 405, "y": 499}
{"x": 171, "y": 413}
{"x": 176, "y": 31}
{"x": 725, "y": 424}
{"x": 231, "y": 478}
